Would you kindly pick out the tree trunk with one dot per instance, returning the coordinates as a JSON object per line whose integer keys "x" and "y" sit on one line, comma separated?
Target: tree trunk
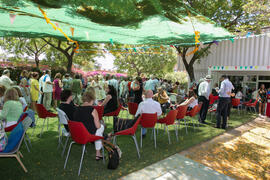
{"x": 190, "y": 71}
{"x": 37, "y": 61}
{"x": 69, "y": 65}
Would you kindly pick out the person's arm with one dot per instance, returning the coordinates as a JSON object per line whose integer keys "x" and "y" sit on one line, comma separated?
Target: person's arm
{"x": 60, "y": 83}
{"x": 139, "y": 110}
{"x": 222, "y": 88}
{"x": 96, "y": 119}
{"x": 164, "y": 96}
{"x": 81, "y": 85}
{"x": 188, "y": 101}
{"x": 106, "y": 100}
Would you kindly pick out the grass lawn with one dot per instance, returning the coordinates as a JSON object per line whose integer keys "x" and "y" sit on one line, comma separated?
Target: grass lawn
{"x": 45, "y": 161}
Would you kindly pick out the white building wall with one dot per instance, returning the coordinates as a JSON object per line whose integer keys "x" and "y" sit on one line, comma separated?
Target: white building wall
{"x": 251, "y": 51}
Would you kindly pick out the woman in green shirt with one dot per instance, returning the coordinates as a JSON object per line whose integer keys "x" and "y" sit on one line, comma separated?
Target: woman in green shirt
{"x": 12, "y": 108}
{"x": 76, "y": 89}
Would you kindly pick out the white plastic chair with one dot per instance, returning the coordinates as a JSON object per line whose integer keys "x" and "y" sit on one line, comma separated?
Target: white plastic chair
{"x": 62, "y": 119}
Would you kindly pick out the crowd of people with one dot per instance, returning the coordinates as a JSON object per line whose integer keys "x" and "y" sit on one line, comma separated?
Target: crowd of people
{"x": 76, "y": 96}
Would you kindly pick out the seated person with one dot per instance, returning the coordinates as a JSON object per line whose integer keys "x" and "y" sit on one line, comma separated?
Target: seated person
{"x": 21, "y": 98}
{"x": 110, "y": 103}
{"x": 239, "y": 94}
{"x": 2, "y": 93}
{"x": 191, "y": 101}
{"x": 67, "y": 105}
{"x": 162, "y": 98}
{"x": 89, "y": 117}
{"x": 12, "y": 108}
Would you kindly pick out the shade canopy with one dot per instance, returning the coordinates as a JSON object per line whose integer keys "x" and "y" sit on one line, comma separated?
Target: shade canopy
{"x": 156, "y": 22}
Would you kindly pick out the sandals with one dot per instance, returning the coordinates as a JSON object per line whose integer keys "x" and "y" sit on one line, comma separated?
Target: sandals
{"x": 98, "y": 158}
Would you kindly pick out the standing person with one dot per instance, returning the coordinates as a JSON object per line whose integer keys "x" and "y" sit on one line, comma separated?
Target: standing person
{"x": 261, "y": 97}
{"x": 34, "y": 90}
{"x": 5, "y": 79}
{"x": 76, "y": 89}
{"x": 224, "y": 100}
{"x": 57, "y": 89}
{"x": 97, "y": 88}
{"x": 66, "y": 81}
{"x": 204, "y": 91}
{"x": 47, "y": 90}
{"x": 40, "y": 82}
{"x": 268, "y": 104}
{"x": 25, "y": 90}
{"x": 113, "y": 82}
{"x": 138, "y": 90}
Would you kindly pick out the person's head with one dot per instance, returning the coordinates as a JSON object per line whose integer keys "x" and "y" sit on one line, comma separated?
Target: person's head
{"x": 223, "y": 77}
{"x": 177, "y": 83}
{"x": 67, "y": 75}
{"x": 138, "y": 79}
{"x": 152, "y": 77}
{"x": 111, "y": 90}
{"x": 57, "y": 76}
{"x": 208, "y": 78}
{"x": 24, "y": 73}
{"x": 66, "y": 95}
{"x": 6, "y": 72}
{"x": 149, "y": 94}
{"x": 191, "y": 94}
{"x": 2, "y": 90}
{"x": 35, "y": 75}
{"x": 23, "y": 82}
{"x": 48, "y": 72}
{"x": 262, "y": 86}
{"x": 89, "y": 96}
{"x": 18, "y": 91}
{"x": 77, "y": 76}
{"x": 11, "y": 94}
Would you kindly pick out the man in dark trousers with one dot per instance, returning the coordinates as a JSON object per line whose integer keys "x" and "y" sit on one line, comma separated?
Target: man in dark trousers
{"x": 224, "y": 100}
{"x": 204, "y": 91}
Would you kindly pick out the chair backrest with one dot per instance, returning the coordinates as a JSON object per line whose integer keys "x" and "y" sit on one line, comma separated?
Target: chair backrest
{"x": 182, "y": 110}
{"x": 21, "y": 118}
{"x": 79, "y": 133}
{"x": 235, "y": 102}
{"x": 212, "y": 99}
{"x": 132, "y": 108}
{"x": 148, "y": 120}
{"x": 116, "y": 112}
{"x": 100, "y": 111}
{"x": 63, "y": 119}
{"x": 254, "y": 103}
{"x": 171, "y": 117}
{"x": 41, "y": 111}
{"x": 193, "y": 111}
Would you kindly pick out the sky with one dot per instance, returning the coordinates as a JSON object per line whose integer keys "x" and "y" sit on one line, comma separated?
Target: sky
{"x": 106, "y": 62}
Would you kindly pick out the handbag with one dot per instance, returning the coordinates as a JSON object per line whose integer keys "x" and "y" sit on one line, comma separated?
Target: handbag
{"x": 3, "y": 137}
{"x": 112, "y": 153}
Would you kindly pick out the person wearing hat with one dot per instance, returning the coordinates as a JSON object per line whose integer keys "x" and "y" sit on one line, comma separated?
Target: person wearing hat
{"x": 224, "y": 100}
{"x": 204, "y": 91}
{"x": 5, "y": 79}
{"x": 162, "y": 98}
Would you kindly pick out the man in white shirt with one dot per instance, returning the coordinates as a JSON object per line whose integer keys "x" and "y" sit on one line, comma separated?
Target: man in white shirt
{"x": 5, "y": 79}
{"x": 40, "y": 81}
{"x": 224, "y": 100}
{"x": 47, "y": 90}
{"x": 204, "y": 91}
{"x": 148, "y": 106}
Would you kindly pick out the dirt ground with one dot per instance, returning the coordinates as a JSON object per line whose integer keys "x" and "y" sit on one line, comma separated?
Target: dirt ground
{"x": 242, "y": 153}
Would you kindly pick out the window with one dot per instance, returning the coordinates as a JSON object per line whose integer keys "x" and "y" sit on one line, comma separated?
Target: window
{"x": 267, "y": 78}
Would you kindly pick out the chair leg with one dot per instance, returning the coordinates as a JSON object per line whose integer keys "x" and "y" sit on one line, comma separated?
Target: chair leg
{"x": 169, "y": 138}
{"x": 114, "y": 140}
{"x": 42, "y": 128}
{"x": 68, "y": 154}
{"x": 19, "y": 160}
{"x": 186, "y": 126}
{"x": 64, "y": 148}
{"x": 176, "y": 131}
{"x": 155, "y": 138}
{"x": 59, "y": 141}
{"x": 193, "y": 124}
{"x": 34, "y": 127}
{"x": 81, "y": 160}
{"x": 141, "y": 137}
{"x": 136, "y": 144}
{"x": 20, "y": 154}
{"x": 26, "y": 145}
{"x": 47, "y": 123}
{"x": 29, "y": 141}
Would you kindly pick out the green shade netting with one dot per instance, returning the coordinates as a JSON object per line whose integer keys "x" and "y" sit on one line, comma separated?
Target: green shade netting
{"x": 103, "y": 21}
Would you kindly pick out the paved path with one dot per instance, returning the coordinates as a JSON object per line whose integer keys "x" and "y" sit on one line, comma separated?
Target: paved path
{"x": 180, "y": 167}
{"x": 176, "y": 167}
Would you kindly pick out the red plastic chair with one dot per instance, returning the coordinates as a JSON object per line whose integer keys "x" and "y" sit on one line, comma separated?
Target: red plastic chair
{"x": 114, "y": 113}
{"x": 130, "y": 132}
{"x": 44, "y": 114}
{"x": 132, "y": 108}
{"x": 80, "y": 135}
{"x": 149, "y": 121}
{"x": 248, "y": 102}
{"x": 236, "y": 103}
{"x": 100, "y": 111}
{"x": 170, "y": 120}
{"x": 182, "y": 110}
{"x": 25, "y": 109}
{"x": 212, "y": 99}
{"x": 194, "y": 111}
{"x": 252, "y": 105}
